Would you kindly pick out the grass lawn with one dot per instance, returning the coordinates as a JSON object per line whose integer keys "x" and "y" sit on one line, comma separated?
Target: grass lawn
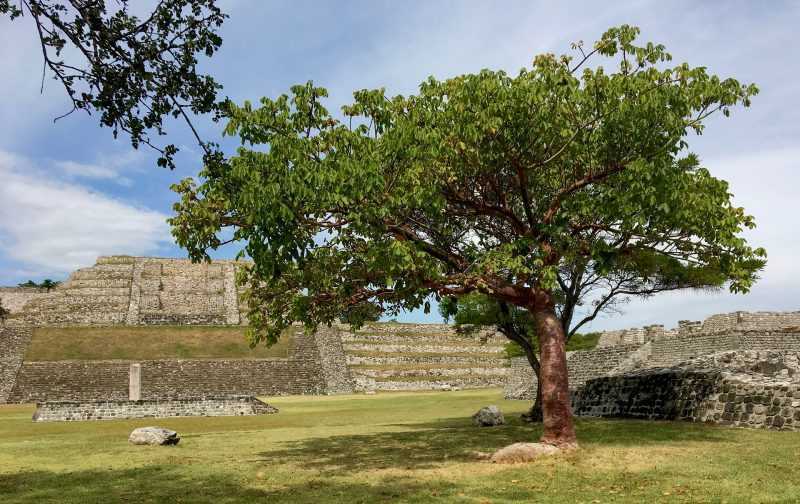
{"x": 392, "y": 447}
{"x": 148, "y": 342}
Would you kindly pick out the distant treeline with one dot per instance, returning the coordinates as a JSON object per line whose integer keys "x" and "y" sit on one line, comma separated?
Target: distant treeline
{"x": 45, "y": 284}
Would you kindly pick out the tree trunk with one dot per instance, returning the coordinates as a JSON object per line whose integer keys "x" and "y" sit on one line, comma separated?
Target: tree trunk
{"x": 557, "y": 415}
{"x": 517, "y": 334}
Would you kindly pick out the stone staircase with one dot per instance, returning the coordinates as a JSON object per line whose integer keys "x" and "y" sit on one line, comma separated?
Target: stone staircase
{"x": 140, "y": 290}
{"x": 98, "y": 295}
{"x": 13, "y": 343}
{"x": 423, "y": 357}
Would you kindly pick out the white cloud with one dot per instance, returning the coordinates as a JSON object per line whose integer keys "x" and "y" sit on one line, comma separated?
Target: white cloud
{"x": 106, "y": 168}
{"x": 49, "y": 223}
{"x": 92, "y": 171}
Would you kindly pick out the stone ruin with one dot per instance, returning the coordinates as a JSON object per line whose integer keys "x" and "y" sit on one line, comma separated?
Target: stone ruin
{"x": 124, "y": 290}
{"x": 132, "y": 291}
{"x": 736, "y": 369}
{"x": 649, "y": 372}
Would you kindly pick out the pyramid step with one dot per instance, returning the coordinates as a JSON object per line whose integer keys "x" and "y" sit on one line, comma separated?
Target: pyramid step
{"x": 434, "y": 384}
{"x": 95, "y": 283}
{"x": 395, "y": 339}
{"x": 434, "y": 373}
{"x": 423, "y": 348}
{"x": 368, "y": 358}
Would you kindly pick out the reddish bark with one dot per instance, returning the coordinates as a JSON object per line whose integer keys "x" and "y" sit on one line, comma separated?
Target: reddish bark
{"x": 554, "y": 386}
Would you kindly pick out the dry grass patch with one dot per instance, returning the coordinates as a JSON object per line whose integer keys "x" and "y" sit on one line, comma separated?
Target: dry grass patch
{"x": 148, "y": 342}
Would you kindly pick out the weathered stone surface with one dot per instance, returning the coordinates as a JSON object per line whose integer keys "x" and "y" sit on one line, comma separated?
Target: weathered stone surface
{"x": 66, "y": 411}
{"x": 523, "y": 452}
{"x": 15, "y": 298}
{"x": 303, "y": 372}
{"x": 424, "y": 357}
{"x": 153, "y": 436}
{"x": 754, "y": 389}
{"x": 13, "y": 342}
{"x": 620, "y": 352}
{"x": 488, "y": 416}
{"x": 138, "y": 290}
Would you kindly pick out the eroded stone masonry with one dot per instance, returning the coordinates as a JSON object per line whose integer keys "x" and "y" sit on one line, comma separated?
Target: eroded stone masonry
{"x": 68, "y": 411}
{"x": 738, "y": 369}
{"x": 134, "y": 290}
{"x": 123, "y": 290}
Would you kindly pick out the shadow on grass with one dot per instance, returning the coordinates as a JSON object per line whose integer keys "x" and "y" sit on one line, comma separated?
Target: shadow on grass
{"x": 427, "y": 445}
{"x": 170, "y": 484}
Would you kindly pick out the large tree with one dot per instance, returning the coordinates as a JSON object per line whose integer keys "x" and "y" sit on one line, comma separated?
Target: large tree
{"x": 136, "y": 71}
{"x": 480, "y": 183}
{"x": 585, "y": 289}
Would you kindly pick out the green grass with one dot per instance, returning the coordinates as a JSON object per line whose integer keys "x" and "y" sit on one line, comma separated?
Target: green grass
{"x": 391, "y": 447}
{"x": 148, "y": 342}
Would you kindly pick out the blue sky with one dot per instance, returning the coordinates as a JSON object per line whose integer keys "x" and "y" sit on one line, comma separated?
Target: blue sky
{"x": 69, "y": 192}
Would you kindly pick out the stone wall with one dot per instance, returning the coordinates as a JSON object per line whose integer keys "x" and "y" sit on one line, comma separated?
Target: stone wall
{"x": 14, "y": 298}
{"x": 304, "y": 372}
{"x": 627, "y": 350}
{"x": 585, "y": 365}
{"x": 65, "y": 411}
{"x": 521, "y": 381}
{"x": 715, "y": 324}
{"x": 13, "y": 342}
{"x": 680, "y": 347}
{"x": 581, "y": 366}
{"x": 333, "y": 361}
{"x": 758, "y": 389}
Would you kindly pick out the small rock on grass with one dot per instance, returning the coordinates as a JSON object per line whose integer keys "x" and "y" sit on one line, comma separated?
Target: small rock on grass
{"x": 154, "y": 436}
{"x": 488, "y": 416}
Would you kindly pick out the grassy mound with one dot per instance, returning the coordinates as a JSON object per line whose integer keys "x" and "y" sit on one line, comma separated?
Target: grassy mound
{"x": 148, "y": 342}
{"x": 391, "y": 447}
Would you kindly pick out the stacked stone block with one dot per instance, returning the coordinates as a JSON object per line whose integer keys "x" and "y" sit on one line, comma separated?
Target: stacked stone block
{"x": 758, "y": 389}
{"x": 581, "y": 366}
{"x": 13, "y": 342}
{"x": 423, "y": 357}
{"x": 15, "y": 298}
{"x": 305, "y": 371}
{"x": 99, "y": 295}
{"x": 136, "y": 290}
{"x": 65, "y": 411}
{"x": 628, "y": 350}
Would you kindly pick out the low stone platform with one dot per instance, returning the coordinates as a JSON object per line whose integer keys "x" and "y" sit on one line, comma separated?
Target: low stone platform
{"x": 66, "y": 411}
{"x": 741, "y": 389}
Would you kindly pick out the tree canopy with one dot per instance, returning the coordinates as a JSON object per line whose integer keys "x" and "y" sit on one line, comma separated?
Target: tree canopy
{"x": 483, "y": 182}
{"x": 134, "y": 71}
